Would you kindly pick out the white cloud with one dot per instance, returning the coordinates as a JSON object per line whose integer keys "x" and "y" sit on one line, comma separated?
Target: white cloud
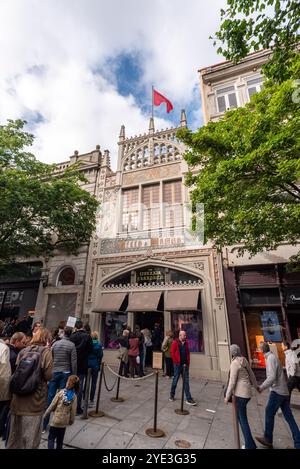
{"x": 49, "y": 49}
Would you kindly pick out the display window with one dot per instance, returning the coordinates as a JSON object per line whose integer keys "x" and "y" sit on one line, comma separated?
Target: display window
{"x": 192, "y": 323}
{"x": 264, "y": 325}
{"x": 114, "y": 324}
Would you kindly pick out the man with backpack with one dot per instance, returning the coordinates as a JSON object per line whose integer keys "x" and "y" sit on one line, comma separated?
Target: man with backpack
{"x": 84, "y": 346}
{"x": 29, "y": 388}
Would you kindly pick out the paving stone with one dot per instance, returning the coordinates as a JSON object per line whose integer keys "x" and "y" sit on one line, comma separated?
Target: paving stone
{"x": 115, "y": 438}
{"x": 89, "y": 437}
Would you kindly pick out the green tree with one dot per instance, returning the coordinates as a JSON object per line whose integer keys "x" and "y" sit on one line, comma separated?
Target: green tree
{"x": 39, "y": 211}
{"x": 250, "y": 25}
{"x": 248, "y": 170}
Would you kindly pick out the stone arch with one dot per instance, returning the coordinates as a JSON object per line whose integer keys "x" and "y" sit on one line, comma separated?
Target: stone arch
{"x": 60, "y": 269}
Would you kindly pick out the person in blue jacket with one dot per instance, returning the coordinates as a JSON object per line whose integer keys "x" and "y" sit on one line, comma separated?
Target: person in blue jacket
{"x": 94, "y": 362}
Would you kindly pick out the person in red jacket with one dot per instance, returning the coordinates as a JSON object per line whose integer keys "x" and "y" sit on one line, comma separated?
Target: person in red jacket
{"x": 181, "y": 356}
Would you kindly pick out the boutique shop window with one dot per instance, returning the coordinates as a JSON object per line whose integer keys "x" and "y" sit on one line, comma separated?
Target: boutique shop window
{"x": 114, "y": 324}
{"x": 191, "y": 322}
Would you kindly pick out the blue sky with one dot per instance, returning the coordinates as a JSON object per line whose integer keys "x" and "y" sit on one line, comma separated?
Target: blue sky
{"x": 77, "y": 70}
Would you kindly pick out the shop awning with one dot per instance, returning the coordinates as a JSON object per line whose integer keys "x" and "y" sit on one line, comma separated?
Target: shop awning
{"x": 144, "y": 301}
{"x": 107, "y": 302}
{"x": 180, "y": 300}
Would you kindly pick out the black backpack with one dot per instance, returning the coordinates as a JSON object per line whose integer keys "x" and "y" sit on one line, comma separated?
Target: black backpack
{"x": 28, "y": 374}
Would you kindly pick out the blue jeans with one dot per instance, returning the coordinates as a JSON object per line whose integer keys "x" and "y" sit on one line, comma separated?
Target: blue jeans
{"x": 178, "y": 370}
{"x": 94, "y": 376}
{"x": 56, "y": 434}
{"x": 241, "y": 403}
{"x": 275, "y": 402}
{"x": 58, "y": 381}
{"x": 82, "y": 377}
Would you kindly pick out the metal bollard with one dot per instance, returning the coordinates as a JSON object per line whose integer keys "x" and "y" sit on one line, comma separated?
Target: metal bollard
{"x": 97, "y": 412}
{"x": 235, "y": 423}
{"x": 155, "y": 432}
{"x": 182, "y": 411}
{"x": 86, "y": 394}
{"x": 117, "y": 398}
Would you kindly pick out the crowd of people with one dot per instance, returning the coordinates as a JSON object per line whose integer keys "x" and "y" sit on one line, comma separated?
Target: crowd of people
{"x": 43, "y": 374}
{"x": 42, "y": 378}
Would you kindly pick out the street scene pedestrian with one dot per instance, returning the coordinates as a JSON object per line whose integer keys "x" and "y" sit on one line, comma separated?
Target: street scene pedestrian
{"x": 241, "y": 378}
{"x": 29, "y": 392}
{"x": 279, "y": 399}
{"x": 166, "y": 349}
{"x": 63, "y": 407}
{"x": 84, "y": 346}
{"x": 292, "y": 367}
{"x": 94, "y": 363}
{"x": 64, "y": 364}
{"x": 181, "y": 361}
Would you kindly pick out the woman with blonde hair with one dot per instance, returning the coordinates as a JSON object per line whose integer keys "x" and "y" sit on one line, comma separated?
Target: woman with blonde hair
{"x": 29, "y": 388}
{"x": 94, "y": 362}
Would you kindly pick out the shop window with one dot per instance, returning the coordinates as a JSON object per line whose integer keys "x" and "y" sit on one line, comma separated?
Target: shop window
{"x": 66, "y": 277}
{"x": 192, "y": 323}
{"x": 114, "y": 324}
{"x": 264, "y": 325}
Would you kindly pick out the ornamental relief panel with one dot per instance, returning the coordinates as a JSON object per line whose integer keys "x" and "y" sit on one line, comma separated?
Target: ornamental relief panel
{"x": 152, "y": 174}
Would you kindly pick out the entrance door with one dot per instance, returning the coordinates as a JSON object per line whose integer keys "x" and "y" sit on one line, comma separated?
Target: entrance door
{"x": 148, "y": 319}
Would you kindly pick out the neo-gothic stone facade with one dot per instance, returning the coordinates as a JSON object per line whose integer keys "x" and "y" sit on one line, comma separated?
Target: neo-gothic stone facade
{"x": 139, "y": 248}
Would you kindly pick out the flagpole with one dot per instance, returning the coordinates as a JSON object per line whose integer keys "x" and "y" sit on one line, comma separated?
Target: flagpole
{"x": 152, "y": 100}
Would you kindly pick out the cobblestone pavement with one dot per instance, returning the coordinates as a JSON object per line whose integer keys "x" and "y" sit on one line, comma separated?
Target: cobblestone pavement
{"x": 208, "y": 425}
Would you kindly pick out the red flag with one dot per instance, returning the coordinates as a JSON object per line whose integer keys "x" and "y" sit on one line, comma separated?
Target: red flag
{"x": 159, "y": 98}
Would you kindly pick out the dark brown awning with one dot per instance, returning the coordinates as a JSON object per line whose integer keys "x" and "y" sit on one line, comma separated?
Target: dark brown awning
{"x": 106, "y": 302}
{"x": 180, "y": 300}
{"x": 144, "y": 301}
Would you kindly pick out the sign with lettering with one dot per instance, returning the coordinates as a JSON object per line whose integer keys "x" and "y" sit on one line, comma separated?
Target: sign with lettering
{"x": 157, "y": 361}
{"x": 153, "y": 274}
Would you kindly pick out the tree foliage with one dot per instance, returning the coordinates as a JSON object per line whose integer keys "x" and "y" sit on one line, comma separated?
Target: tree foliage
{"x": 248, "y": 169}
{"x": 250, "y": 25}
{"x": 39, "y": 212}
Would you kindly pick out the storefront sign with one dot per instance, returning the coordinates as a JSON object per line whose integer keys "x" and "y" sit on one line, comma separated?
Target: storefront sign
{"x": 293, "y": 296}
{"x": 270, "y": 326}
{"x": 150, "y": 275}
{"x": 157, "y": 360}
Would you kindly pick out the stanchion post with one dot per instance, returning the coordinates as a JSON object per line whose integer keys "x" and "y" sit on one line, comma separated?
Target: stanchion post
{"x": 155, "y": 432}
{"x": 97, "y": 412}
{"x": 182, "y": 411}
{"x": 86, "y": 394}
{"x": 235, "y": 423}
{"x": 117, "y": 398}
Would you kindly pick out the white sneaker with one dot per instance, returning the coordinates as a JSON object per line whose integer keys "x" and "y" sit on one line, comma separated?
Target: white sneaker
{"x": 243, "y": 447}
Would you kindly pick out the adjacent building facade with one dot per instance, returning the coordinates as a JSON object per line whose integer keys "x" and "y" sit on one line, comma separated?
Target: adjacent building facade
{"x": 263, "y": 300}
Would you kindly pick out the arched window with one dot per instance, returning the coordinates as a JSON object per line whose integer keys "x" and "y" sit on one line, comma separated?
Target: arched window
{"x": 66, "y": 277}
